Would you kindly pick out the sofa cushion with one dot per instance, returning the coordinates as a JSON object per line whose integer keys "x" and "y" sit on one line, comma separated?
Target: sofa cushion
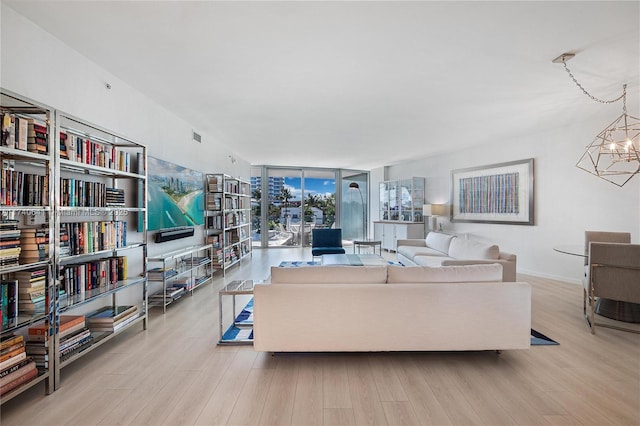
{"x": 467, "y": 249}
{"x": 329, "y": 275}
{"x": 444, "y": 274}
{"x": 412, "y": 251}
{"x": 439, "y": 241}
{"x": 431, "y": 261}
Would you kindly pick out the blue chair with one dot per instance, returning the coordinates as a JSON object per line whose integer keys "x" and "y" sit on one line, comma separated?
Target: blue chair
{"x": 326, "y": 241}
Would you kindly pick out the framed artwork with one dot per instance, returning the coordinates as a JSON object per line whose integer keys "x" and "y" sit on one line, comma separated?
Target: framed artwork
{"x": 497, "y": 193}
{"x": 175, "y": 195}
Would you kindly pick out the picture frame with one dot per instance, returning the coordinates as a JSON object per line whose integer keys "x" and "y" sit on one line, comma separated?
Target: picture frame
{"x": 498, "y": 193}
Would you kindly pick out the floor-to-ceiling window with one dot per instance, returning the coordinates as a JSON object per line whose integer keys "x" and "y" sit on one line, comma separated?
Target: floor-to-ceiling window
{"x": 289, "y": 202}
{"x": 354, "y": 211}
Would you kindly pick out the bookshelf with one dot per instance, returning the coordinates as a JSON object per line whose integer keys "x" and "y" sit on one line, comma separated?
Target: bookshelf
{"x": 26, "y": 242}
{"x": 99, "y": 199}
{"x": 227, "y": 221}
{"x": 180, "y": 272}
{"x": 72, "y": 266}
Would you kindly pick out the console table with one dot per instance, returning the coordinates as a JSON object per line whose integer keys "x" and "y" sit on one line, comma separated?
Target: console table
{"x": 368, "y": 243}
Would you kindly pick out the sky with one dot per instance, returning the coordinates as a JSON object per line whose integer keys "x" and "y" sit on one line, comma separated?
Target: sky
{"x": 311, "y": 185}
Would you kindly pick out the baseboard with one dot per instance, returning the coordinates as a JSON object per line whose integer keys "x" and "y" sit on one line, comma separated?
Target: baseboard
{"x": 572, "y": 280}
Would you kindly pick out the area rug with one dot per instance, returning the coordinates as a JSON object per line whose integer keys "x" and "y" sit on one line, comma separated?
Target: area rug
{"x": 297, "y": 263}
{"x": 242, "y": 330}
{"x": 540, "y": 339}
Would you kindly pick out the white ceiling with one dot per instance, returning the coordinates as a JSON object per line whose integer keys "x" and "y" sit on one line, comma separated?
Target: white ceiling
{"x": 357, "y": 84}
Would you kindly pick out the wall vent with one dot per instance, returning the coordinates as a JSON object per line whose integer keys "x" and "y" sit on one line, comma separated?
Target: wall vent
{"x": 197, "y": 137}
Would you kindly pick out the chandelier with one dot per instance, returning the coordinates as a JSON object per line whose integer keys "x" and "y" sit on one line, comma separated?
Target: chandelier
{"x": 614, "y": 154}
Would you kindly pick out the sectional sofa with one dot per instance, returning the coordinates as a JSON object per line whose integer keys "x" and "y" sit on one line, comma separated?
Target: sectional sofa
{"x": 391, "y": 308}
{"x": 439, "y": 249}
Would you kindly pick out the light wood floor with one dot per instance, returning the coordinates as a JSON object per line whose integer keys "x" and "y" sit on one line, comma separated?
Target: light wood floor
{"x": 174, "y": 374}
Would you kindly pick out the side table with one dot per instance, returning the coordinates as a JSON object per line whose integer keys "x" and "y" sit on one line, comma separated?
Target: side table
{"x": 368, "y": 243}
{"x": 241, "y": 329}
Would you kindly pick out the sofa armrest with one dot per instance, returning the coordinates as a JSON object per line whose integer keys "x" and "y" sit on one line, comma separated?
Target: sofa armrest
{"x": 508, "y": 266}
{"x": 417, "y": 242}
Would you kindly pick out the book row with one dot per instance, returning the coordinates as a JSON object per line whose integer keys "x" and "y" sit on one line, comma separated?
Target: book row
{"x": 25, "y": 134}
{"x": 79, "y": 193}
{"x": 82, "y": 150}
{"x": 89, "y": 237}
{"x": 18, "y": 188}
{"x": 99, "y": 274}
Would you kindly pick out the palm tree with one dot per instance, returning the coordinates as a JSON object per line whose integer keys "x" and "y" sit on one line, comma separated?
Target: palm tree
{"x": 285, "y": 196}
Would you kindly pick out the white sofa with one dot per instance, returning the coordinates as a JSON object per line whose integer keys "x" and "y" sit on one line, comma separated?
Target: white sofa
{"x": 439, "y": 249}
{"x": 390, "y": 308}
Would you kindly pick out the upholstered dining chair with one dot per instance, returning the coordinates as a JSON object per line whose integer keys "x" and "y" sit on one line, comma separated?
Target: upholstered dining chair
{"x": 604, "y": 237}
{"x": 326, "y": 241}
{"x": 614, "y": 274}
{"x": 601, "y": 237}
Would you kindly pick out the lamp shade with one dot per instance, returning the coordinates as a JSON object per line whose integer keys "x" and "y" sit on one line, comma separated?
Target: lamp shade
{"x": 438, "y": 209}
{"x": 434, "y": 210}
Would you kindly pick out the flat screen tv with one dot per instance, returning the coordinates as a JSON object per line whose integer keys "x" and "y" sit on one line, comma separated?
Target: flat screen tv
{"x": 175, "y": 197}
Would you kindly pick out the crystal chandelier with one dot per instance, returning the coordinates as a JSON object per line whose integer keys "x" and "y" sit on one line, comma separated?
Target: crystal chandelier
{"x": 614, "y": 154}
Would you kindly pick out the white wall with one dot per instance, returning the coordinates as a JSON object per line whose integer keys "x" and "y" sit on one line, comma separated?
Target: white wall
{"x": 37, "y": 65}
{"x": 568, "y": 201}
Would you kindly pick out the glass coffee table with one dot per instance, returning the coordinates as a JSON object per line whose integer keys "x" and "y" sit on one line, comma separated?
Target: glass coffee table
{"x": 353, "y": 259}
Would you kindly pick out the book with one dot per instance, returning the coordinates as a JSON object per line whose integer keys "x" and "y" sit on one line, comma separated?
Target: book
{"x": 18, "y": 372}
{"x": 68, "y": 324}
{"x": 21, "y": 363}
{"x": 9, "y": 386}
{"x": 9, "y": 340}
{"x": 11, "y": 354}
{"x": 12, "y": 361}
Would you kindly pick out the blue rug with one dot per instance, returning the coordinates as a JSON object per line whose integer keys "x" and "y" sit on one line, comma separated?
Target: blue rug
{"x": 242, "y": 331}
{"x": 540, "y": 339}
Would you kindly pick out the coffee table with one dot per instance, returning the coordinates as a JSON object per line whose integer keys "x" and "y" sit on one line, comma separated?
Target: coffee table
{"x": 353, "y": 259}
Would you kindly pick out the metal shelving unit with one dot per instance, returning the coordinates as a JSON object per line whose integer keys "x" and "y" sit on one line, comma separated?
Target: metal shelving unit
{"x": 106, "y": 158}
{"x": 227, "y": 219}
{"x": 17, "y": 159}
{"x": 182, "y": 271}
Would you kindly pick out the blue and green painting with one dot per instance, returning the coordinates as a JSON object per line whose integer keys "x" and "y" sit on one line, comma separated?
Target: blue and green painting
{"x": 175, "y": 195}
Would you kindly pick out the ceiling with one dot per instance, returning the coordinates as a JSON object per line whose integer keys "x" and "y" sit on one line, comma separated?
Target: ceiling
{"x": 357, "y": 84}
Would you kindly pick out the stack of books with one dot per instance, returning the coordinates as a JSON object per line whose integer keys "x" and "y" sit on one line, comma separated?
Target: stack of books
{"x": 74, "y": 337}
{"x": 32, "y": 290}
{"x": 114, "y": 197}
{"x": 9, "y": 243}
{"x": 15, "y": 367}
{"x": 195, "y": 261}
{"x": 34, "y": 245}
{"x": 37, "y": 137}
{"x": 112, "y": 318}
{"x": 171, "y": 293}
{"x": 158, "y": 274}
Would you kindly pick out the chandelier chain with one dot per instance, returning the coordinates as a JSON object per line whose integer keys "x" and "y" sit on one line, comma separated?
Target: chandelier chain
{"x": 623, "y": 96}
